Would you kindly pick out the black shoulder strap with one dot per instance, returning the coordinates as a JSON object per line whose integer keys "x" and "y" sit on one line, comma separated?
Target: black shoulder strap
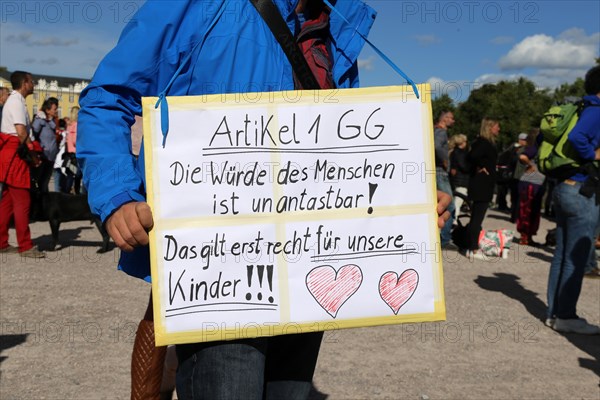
{"x": 583, "y": 104}
{"x": 271, "y": 15}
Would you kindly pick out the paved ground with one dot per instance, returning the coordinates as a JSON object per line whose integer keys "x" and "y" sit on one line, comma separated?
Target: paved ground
{"x": 67, "y": 325}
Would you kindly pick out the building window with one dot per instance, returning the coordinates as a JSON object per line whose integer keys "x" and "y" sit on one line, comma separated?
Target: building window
{"x": 59, "y": 112}
{"x": 35, "y": 109}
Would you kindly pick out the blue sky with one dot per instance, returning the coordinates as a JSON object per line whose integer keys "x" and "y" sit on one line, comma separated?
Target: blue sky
{"x": 454, "y": 45}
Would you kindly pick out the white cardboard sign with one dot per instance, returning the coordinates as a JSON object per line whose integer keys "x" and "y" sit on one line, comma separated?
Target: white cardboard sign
{"x": 292, "y": 212}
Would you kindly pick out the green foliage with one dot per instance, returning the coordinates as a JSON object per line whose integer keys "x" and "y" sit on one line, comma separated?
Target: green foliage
{"x": 575, "y": 89}
{"x": 518, "y": 105}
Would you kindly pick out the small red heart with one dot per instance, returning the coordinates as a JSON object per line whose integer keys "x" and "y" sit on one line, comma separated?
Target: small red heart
{"x": 332, "y": 289}
{"x": 396, "y": 291}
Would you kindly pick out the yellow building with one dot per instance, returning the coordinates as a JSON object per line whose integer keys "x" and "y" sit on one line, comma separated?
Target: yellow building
{"x": 66, "y": 90}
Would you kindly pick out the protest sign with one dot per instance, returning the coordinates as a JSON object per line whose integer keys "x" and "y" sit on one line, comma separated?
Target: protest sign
{"x": 289, "y": 212}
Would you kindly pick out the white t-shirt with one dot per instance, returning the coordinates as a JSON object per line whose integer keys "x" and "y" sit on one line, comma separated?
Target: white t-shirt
{"x": 14, "y": 112}
{"x": 61, "y": 149}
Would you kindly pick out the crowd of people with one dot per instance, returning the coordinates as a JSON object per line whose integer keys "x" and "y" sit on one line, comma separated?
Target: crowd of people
{"x": 281, "y": 366}
{"x": 263, "y": 367}
{"x": 58, "y": 138}
{"x": 32, "y": 151}
{"x": 479, "y": 173}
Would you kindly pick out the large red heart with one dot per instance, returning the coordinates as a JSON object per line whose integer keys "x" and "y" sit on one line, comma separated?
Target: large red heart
{"x": 396, "y": 291}
{"x": 332, "y": 289}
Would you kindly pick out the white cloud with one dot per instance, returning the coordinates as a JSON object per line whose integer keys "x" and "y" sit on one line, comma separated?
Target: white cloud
{"x": 435, "y": 80}
{"x": 426, "y": 40}
{"x": 49, "y": 61}
{"x": 571, "y": 49}
{"x": 552, "y": 78}
{"x": 578, "y": 35}
{"x": 500, "y": 40}
{"x": 47, "y": 53}
{"x": 366, "y": 64}
{"x": 542, "y": 78}
{"x": 27, "y": 39}
{"x": 495, "y": 78}
{"x": 458, "y": 91}
{"x": 548, "y": 61}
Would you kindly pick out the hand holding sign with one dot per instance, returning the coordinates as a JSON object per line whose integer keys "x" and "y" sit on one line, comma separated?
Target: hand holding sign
{"x": 129, "y": 225}
{"x": 443, "y": 201}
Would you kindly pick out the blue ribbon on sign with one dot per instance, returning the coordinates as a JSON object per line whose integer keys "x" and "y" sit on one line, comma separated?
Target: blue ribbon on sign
{"x": 162, "y": 98}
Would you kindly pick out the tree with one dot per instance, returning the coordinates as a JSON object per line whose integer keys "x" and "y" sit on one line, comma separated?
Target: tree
{"x": 518, "y": 105}
{"x": 575, "y": 89}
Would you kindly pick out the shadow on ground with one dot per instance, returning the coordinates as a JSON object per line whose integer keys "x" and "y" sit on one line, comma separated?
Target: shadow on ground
{"x": 68, "y": 238}
{"x": 315, "y": 394}
{"x": 540, "y": 256}
{"x": 509, "y": 285}
{"x": 8, "y": 341}
{"x": 499, "y": 216}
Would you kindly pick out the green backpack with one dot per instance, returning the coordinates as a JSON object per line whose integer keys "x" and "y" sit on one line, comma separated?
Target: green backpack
{"x": 556, "y": 156}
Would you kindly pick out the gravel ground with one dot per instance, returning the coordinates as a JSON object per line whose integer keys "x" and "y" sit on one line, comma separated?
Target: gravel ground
{"x": 67, "y": 325}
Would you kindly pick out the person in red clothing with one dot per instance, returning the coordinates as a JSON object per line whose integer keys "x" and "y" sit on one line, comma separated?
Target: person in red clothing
{"x": 14, "y": 172}
{"x": 531, "y": 192}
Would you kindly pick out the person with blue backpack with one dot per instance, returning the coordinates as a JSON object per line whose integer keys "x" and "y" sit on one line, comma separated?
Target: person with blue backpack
{"x": 576, "y": 200}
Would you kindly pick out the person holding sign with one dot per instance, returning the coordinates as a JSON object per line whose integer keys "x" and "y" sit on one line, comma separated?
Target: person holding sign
{"x": 233, "y": 51}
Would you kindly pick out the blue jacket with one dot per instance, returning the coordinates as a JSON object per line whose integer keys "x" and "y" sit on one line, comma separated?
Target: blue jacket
{"x": 585, "y": 136}
{"x": 237, "y": 53}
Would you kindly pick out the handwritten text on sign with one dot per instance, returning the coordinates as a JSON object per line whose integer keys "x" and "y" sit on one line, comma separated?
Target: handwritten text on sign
{"x": 275, "y": 215}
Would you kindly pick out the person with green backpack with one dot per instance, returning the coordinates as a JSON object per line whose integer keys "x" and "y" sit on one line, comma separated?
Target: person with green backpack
{"x": 574, "y": 163}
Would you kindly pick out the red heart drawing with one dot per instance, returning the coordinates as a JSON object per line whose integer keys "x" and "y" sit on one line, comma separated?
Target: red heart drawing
{"x": 396, "y": 291}
{"x": 332, "y": 289}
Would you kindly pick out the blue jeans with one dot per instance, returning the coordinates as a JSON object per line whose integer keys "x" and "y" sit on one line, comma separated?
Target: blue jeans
{"x": 443, "y": 184}
{"x": 58, "y": 180}
{"x": 279, "y": 367}
{"x": 576, "y": 220}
